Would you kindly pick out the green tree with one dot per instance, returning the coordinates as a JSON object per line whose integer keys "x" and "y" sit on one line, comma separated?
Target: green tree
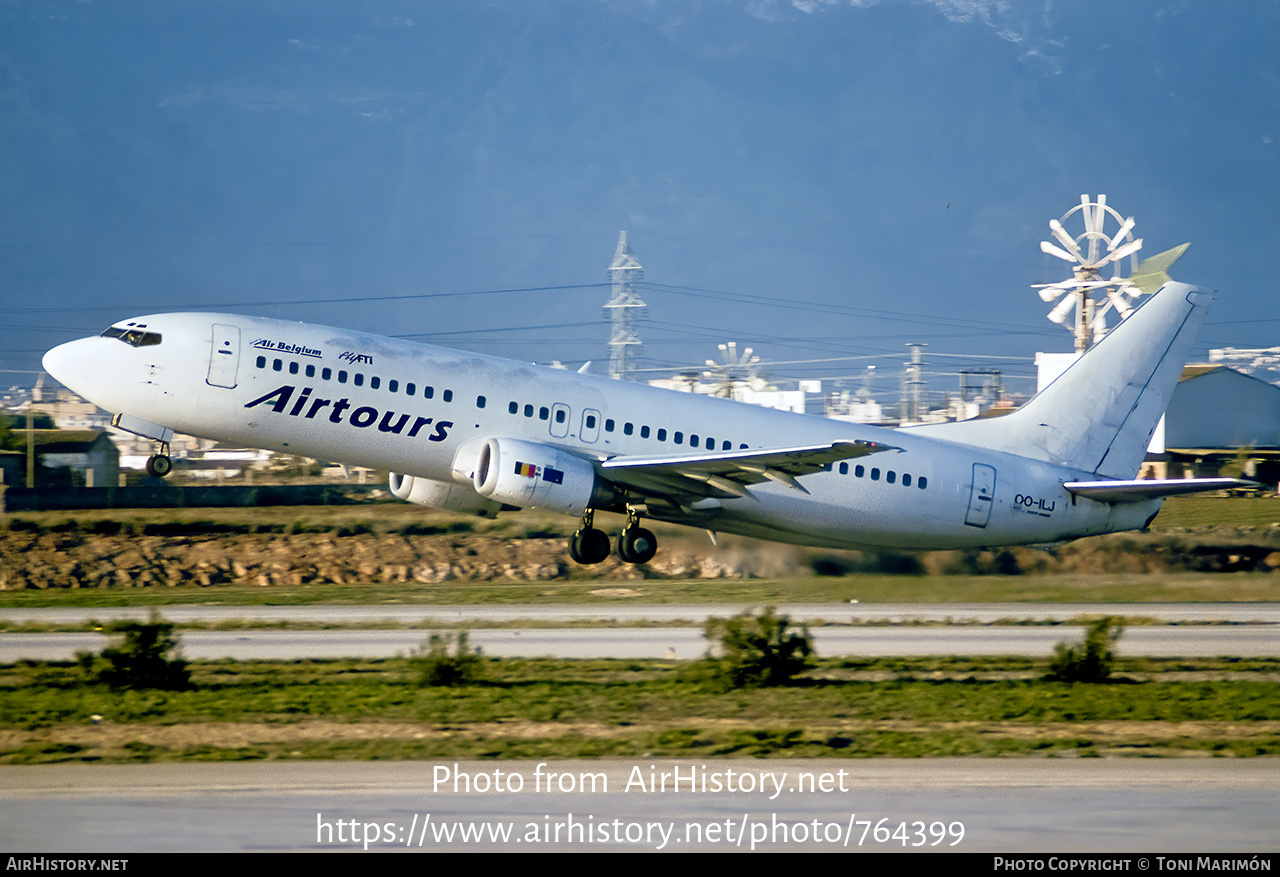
{"x": 144, "y": 656}
{"x": 434, "y": 666}
{"x": 1090, "y": 660}
{"x": 758, "y": 649}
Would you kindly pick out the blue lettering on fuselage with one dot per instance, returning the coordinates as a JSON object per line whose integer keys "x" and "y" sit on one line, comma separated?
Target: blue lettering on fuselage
{"x": 362, "y": 417}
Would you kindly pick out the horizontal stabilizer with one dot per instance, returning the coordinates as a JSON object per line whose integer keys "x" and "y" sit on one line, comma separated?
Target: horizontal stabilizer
{"x": 1141, "y": 491}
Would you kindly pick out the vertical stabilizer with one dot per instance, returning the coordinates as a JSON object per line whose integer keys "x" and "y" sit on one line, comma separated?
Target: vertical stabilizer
{"x": 1098, "y": 416}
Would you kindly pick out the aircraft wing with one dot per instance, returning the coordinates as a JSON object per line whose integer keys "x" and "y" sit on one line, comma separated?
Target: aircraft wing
{"x": 729, "y": 473}
{"x": 1141, "y": 491}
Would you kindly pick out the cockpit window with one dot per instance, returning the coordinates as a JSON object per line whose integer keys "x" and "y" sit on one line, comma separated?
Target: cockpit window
{"x": 134, "y": 336}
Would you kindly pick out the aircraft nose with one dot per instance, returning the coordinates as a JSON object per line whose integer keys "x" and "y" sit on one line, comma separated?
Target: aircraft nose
{"x": 69, "y": 363}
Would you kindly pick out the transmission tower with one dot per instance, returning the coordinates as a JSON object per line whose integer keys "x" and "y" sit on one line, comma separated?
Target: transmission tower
{"x": 914, "y": 405}
{"x": 623, "y": 309}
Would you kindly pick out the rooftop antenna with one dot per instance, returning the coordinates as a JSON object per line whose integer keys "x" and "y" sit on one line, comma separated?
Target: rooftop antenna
{"x": 622, "y": 310}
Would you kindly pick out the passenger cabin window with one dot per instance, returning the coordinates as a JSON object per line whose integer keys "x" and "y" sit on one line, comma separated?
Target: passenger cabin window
{"x": 342, "y": 376}
{"x": 528, "y": 411}
{"x": 358, "y": 379}
{"x": 480, "y": 400}
{"x": 513, "y": 408}
{"x": 662, "y": 435}
{"x": 311, "y": 372}
{"x": 628, "y": 428}
{"x": 428, "y": 392}
{"x": 393, "y": 386}
{"x": 326, "y": 374}
{"x": 374, "y": 382}
{"x": 447, "y": 396}
{"x": 410, "y": 388}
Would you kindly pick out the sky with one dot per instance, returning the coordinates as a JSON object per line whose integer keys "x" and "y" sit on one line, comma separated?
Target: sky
{"x": 817, "y": 179}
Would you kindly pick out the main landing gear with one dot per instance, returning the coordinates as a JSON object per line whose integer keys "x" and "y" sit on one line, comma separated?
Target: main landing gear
{"x": 159, "y": 465}
{"x": 587, "y": 544}
{"x": 635, "y": 543}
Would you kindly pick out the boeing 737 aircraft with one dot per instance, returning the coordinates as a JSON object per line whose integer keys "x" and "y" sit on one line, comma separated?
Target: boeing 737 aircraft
{"x": 478, "y": 434}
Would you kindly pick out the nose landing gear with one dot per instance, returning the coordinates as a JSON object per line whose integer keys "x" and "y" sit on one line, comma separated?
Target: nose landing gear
{"x": 159, "y": 465}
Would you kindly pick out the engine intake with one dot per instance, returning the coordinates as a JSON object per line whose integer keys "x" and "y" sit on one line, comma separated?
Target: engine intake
{"x": 442, "y": 495}
{"x": 534, "y": 475}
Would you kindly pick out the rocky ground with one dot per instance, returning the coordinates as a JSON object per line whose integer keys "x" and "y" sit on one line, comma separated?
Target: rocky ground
{"x": 77, "y": 559}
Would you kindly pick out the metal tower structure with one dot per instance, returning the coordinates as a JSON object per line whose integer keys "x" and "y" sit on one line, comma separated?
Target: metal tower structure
{"x": 623, "y": 309}
{"x": 914, "y": 404}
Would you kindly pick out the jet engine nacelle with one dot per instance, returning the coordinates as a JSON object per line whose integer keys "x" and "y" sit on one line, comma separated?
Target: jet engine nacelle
{"x": 442, "y": 495}
{"x": 530, "y": 474}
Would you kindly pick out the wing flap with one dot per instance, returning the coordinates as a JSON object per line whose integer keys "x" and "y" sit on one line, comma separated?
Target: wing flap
{"x": 1141, "y": 491}
{"x": 729, "y": 473}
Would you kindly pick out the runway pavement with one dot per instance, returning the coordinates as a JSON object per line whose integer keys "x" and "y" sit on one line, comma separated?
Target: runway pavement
{"x": 666, "y": 642}
{"x": 971, "y": 805}
{"x": 622, "y": 631}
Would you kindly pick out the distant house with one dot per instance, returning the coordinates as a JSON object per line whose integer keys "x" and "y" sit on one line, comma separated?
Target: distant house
{"x": 1218, "y": 415}
{"x": 89, "y": 456}
{"x": 1219, "y": 407}
{"x": 13, "y": 468}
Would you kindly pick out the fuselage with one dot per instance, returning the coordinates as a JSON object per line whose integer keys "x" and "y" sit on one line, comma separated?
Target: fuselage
{"x": 421, "y": 410}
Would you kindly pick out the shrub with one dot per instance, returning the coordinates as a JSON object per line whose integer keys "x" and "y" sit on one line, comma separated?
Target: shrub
{"x": 758, "y": 650}
{"x": 1088, "y": 661}
{"x": 141, "y": 657}
{"x": 433, "y": 665}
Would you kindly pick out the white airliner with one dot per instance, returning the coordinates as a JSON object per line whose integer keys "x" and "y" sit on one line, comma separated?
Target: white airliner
{"x": 477, "y": 434}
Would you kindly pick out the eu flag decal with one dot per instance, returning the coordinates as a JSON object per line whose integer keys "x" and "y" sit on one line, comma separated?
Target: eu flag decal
{"x": 528, "y": 470}
{"x": 555, "y": 476}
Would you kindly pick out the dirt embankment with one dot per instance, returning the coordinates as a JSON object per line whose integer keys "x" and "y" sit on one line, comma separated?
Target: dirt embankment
{"x": 77, "y": 559}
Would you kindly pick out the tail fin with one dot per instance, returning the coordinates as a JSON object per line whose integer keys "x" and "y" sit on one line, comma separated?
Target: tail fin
{"x": 1098, "y": 416}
